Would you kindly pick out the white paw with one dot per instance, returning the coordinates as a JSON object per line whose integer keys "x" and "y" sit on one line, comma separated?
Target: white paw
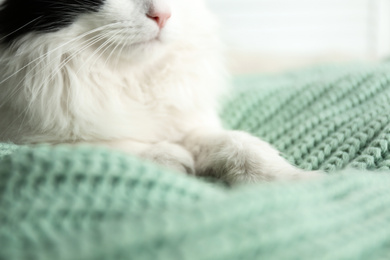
{"x": 170, "y": 155}
{"x": 238, "y": 157}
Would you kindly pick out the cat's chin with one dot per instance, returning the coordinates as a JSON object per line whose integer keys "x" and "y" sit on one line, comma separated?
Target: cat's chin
{"x": 141, "y": 52}
{"x": 148, "y": 43}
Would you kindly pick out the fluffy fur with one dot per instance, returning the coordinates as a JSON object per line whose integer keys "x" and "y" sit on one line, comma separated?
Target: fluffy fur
{"x": 111, "y": 76}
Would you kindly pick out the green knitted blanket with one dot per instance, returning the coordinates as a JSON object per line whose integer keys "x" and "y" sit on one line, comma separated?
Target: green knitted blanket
{"x": 60, "y": 203}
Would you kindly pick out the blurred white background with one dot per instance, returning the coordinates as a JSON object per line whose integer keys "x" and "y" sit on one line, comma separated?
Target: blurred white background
{"x": 274, "y": 35}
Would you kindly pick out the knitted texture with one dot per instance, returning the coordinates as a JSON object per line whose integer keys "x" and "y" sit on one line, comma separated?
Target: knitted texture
{"x": 85, "y": 203}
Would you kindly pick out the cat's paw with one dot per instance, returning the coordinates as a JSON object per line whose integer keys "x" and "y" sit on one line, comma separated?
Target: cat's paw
{"x": 238, "y": 157}
{"x": 170, "y": 155}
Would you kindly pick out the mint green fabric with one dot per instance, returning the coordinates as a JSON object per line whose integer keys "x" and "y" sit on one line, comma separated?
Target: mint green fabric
{"x": 87, "y": 203}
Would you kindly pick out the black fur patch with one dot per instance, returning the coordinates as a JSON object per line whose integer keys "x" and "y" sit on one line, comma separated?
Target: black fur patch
{"x": 18, "y": 17}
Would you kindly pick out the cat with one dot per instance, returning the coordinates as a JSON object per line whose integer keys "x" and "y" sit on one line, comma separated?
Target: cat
{"x": 140, "y": 76}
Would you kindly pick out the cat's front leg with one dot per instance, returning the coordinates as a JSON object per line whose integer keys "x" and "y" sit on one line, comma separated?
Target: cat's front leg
{"x": 238, "y": 157}
{"x": 165, "y": 153}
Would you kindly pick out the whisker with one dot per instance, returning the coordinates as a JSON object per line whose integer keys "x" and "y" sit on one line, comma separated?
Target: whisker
{"x": 111, "y": 53}
{"x": 120, "y": 53}
{"x": 16, "y": 88}
{"x": 59, "y": 47}
{"x": 37, "y": 92}
{"x": 89, "y": 42}
{"x": 106, "y": 44}
{"x": 20, "y": 28}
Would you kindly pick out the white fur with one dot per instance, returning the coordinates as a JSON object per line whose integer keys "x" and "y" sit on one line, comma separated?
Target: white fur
{"x": 107, "y": 80}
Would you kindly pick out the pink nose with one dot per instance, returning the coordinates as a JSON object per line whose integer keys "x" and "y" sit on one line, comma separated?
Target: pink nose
{"x": 160, "y": 18}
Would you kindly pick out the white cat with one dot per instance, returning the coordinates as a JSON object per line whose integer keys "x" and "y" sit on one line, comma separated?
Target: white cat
{"x": 142, "y": 76}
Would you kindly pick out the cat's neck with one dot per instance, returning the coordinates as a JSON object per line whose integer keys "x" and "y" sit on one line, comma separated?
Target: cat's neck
{"x": 73, "y": 96}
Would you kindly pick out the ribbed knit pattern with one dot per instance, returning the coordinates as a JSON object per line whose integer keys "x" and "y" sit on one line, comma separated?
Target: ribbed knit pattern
{"x": 66, "y": 203}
